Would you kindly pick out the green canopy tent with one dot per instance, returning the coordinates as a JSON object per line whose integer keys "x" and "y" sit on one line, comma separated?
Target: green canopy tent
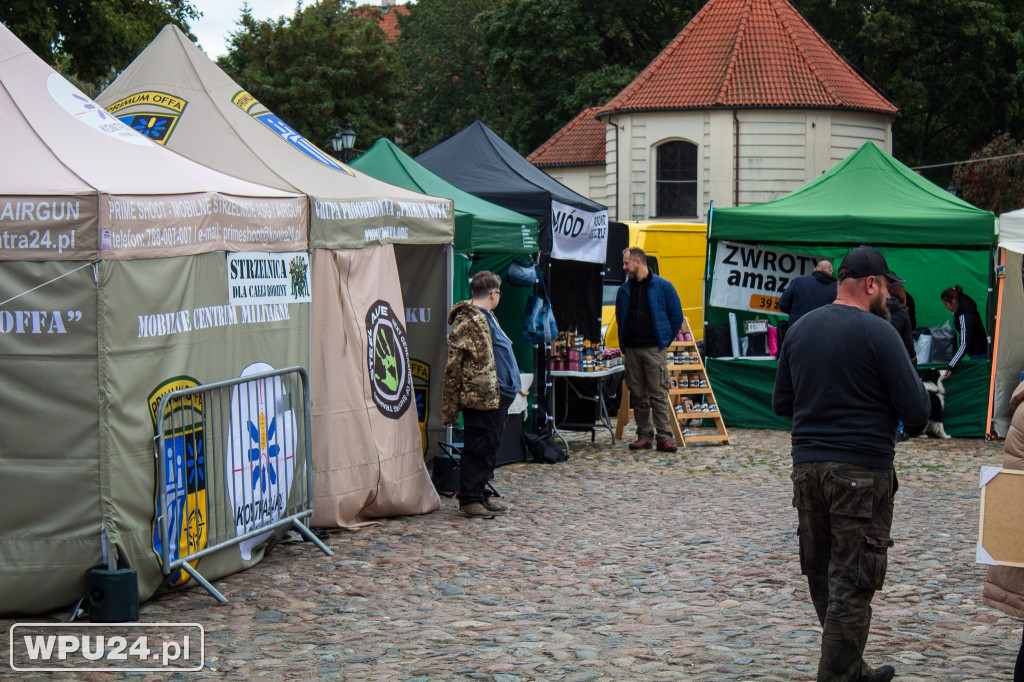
{"x": 494, "y": 235}
{"x": 928, "y": 236}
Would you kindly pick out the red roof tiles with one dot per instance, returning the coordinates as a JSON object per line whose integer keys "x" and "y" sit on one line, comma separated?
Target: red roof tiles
{"x": 748, "y": 53}
{"x": 579, "y": 143}
{"x": 389, "y": 18}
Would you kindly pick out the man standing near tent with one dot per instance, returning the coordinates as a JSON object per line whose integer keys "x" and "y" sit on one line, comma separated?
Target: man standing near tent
{"x": 481, "y": 379}
{"x": 806, "y": 293}
{"x": 845, "y": 379}
{"x": 648, "y": 314}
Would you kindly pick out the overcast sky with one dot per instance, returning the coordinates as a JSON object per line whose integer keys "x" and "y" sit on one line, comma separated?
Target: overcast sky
{"x": 220, "y": 19}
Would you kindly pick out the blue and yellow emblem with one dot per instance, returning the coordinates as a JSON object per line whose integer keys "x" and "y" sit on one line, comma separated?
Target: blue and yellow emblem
{"x": 247, "y": 103}
{"x": 421, "y": 390}
{"x": 184, "y": 465}
{"x": 158, "y": 124}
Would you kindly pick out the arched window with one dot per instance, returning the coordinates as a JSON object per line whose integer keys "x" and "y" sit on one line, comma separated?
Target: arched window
{"x": 676, "y": 193}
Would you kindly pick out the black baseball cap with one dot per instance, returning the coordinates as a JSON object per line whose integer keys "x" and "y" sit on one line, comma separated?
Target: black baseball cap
{"x": 866, "y": 261}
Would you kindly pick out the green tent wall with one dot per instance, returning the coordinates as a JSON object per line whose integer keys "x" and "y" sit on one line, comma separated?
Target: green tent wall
{"x": 928, "y": 236}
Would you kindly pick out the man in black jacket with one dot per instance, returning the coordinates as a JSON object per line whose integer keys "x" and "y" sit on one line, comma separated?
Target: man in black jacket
{"x": 806, "y": 293}
{"x": 845, "y": 379}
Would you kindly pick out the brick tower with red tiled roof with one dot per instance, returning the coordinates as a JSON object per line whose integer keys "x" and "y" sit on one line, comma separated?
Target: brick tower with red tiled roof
{"x": 745, "y": 105}
{"x": 748, "y": 53}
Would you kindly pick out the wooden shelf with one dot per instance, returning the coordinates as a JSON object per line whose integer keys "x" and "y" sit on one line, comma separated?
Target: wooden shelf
{"x": 676, "y": 371}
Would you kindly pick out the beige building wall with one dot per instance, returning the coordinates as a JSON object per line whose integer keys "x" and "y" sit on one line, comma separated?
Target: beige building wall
{"x": 779, "y": 151}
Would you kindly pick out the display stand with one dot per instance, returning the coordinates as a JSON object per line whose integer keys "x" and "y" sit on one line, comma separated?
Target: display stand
{"x": 689, "y": 401}
{"x": 602, "y": 415}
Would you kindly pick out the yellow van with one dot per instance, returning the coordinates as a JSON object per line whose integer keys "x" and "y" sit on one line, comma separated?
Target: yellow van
{"x": 677, "y": 252}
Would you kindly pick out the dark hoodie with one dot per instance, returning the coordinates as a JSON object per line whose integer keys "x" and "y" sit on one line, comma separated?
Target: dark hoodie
{"x": 806, "y": 293}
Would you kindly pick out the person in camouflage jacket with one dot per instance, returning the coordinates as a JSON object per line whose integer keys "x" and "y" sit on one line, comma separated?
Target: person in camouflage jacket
{"x": 470, "y": 377}
{"x": 480, "y": 380}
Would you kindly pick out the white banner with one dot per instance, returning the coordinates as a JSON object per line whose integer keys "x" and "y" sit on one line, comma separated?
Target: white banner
{"x": 748, "y": 277}
{"x": 261, "y": 454}
{"x": 268, "y": 278}
{"x": 578, "y": 234}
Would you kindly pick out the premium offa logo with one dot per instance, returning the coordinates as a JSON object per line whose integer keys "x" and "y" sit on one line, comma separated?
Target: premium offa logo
{"x": 387, "y": 358}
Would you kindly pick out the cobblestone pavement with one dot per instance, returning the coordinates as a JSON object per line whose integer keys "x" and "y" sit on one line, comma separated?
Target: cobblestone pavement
{"x": 612, "y": 565}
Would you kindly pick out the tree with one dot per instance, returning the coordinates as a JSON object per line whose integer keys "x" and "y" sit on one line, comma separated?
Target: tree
{"x": 89, "y": 39}
{"x": 326, "y": 66}
{"x": 525, "y": 67}
{"x": 993, "y": 179}
{"x": 953, "y": 67}
{"x": 444, "y": 72}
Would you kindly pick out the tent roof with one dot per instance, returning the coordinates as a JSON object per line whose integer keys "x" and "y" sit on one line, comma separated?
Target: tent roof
{"x": 58, "y": 144}
{"x": 489, "y": 227}
{"x": 581, "y": 142}
{"x": 869, "y": 197}
{"x": 477, "y": 160}
{"x": 173, "y": 92}
{"x": 1011, "y": 230}
{"x": 748, "y": 53}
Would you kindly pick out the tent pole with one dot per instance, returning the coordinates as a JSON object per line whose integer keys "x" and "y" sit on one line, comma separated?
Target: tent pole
{"x": 989, "y": 431}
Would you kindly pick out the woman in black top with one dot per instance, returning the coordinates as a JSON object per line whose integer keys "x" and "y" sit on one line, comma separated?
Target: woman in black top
{"x": 900, "y": 317}
{"x": 968, "y": 324}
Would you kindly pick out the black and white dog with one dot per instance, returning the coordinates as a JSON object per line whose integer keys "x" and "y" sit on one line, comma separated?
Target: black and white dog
{"x": 932, "y": 380}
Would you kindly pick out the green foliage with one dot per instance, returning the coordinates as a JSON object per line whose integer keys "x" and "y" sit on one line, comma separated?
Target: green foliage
{"x": 324, "y": 67}
{"x": 92, "y": 39}
{"x": 444, "y": 68}
{"x": 996, "y": 185}
{"x": 953, "y": 67}
{"x": 524, "y": 67}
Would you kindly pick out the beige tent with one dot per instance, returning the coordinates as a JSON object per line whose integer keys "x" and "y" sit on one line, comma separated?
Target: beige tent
{"x": 1008, "y": 337}
{"x": 364, "y": 234}
{"x": 113, "y": 281}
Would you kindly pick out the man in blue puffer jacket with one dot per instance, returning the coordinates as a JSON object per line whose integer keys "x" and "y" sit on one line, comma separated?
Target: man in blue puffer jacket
{"x": 648, "y": 313}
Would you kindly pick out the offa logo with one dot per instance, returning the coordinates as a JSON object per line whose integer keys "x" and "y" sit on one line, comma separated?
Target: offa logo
{"x": 387, "y": 360}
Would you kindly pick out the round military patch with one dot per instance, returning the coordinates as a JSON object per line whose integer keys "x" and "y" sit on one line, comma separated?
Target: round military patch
{"x": 387, "y": 359}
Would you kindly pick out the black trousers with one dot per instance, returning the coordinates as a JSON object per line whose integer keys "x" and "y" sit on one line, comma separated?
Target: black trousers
{"x": 480, "y": 439}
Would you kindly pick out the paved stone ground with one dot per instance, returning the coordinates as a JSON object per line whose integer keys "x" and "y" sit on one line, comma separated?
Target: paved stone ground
{"x": 613, "y": 565}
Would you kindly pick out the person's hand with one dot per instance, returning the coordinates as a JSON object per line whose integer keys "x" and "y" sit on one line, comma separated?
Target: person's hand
{"x": 947, "y": 374}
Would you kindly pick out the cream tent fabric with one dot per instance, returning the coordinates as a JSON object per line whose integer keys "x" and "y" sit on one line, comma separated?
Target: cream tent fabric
{"x": 1009, "y": 350}
{"x": 103, "y": 232}
{"x": 176, "y": 95}
{"x": 368, "y": 451}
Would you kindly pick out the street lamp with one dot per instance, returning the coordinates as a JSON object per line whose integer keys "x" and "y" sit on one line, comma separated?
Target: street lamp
{"x": 343, "y": 141}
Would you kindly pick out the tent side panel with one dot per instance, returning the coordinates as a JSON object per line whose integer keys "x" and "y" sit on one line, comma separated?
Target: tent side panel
{"x": 367, "y": 452}
{"x": 165, "y": 321}
{"x": 1010, "y": 361}
{"x": 48, "y": 435}
{"x": 422, "y": 271}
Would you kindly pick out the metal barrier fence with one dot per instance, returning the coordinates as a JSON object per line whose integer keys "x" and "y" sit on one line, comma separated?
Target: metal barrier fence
{"x": 234, "y": 467}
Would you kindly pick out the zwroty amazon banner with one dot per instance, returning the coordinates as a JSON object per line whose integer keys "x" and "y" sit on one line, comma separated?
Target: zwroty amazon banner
{"x": 578, "y": 234}
{"x": 749, "y": 277}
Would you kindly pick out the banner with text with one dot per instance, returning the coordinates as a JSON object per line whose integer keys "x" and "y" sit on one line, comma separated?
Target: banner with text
{"x": 578, "y": 234}
{"x": 268, "y": 278}
{"x": 749, "y": 277}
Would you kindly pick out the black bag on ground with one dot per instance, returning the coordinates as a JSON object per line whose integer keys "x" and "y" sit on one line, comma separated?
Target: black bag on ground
{"x": 445, "y": 475}
{"x": 544, "y": 447}
{"x": 716, "y": 340}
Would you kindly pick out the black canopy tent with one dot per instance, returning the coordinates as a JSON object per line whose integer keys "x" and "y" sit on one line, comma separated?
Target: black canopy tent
{"x": 573, "y": 229}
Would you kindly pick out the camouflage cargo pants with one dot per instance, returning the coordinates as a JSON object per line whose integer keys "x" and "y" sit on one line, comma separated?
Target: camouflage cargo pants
{"x": 845, "y": 515}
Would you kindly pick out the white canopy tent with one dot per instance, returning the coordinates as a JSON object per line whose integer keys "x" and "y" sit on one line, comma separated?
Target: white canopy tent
{"x": 1008, "y": 349}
